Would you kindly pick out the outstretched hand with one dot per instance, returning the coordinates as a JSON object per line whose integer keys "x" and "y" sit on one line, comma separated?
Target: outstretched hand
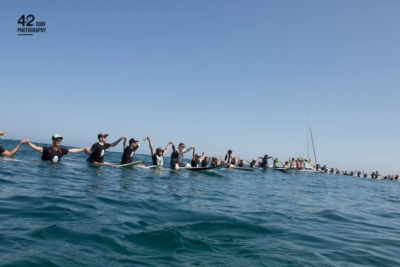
{"x": 123, "y": 137}
{"x": 2, "y": 133}
{"x": 24, "y": 141}
{"x": 86, "y": 150}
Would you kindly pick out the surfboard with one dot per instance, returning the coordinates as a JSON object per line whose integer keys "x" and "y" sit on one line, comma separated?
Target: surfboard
{"x": 153, "y": 167}
{"x": 283, "y": 169}
{"x": 205, "y": 168}
{"x": 129, "y": 165}
{"x": 243, "y": 169}
{"x": 303, "y": 170}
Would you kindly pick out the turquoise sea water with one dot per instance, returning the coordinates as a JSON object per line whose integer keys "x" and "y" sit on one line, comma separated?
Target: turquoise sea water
{"x": 73, "y": 214}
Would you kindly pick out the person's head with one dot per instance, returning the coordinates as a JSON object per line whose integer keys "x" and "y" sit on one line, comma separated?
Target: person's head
{"x": 286, "y": 162}
{"x": 56, "y": 139}
{"x": 253, "y": 161}
{"x": 265, "y": 156}
{"x": 102, "y": 137}
{"x": 229, "y": 151}
{"x": 206, "y": 159}
{"x": 234, "y": 160}
{"x": 159, "y": 151}
{"x": 181, "y": 147}
{"x": 133, "y": 142}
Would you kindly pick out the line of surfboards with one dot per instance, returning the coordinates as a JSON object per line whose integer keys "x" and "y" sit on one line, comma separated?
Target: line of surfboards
{"x": 134, "y": 165}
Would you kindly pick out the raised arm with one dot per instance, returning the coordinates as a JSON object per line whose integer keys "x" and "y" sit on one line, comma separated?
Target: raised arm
{"x": 35, "y": 147}
{"x": 190, "y": 148}
{"x": 15, "y": 149}
{"x": 144, "y": 140}
{"x": 166, "y": 148}
{"x": 124, "y": 145}
{"x": 194, "y": 150}
{"x": 202, "y": 156}
{"x": 119, "y": 140}
{"x": 151, "y": 146}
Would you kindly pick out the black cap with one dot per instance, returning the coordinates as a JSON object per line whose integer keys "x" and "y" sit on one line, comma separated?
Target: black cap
{"x": 182, "y": 144}
{"x": 102, "y": 135}
{"x": 133, "y": 140}
{"x": 229, "y": 151}
{"x": 159, "y": 149}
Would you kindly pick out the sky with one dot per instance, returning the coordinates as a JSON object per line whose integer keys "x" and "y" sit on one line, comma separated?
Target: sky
{"x": 240, "y": 75}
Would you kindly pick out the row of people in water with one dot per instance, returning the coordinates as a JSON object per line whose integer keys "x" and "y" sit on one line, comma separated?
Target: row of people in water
{"x": 97, "y": 153}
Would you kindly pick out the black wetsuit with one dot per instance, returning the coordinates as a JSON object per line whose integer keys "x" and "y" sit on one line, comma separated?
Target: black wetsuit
{"x": 51, "y": 154}
{"x": 98, "y": 152}
{"x": 204, "y": 163}
{"x": 127, "y": 157}
{"x": 194, "y": 164}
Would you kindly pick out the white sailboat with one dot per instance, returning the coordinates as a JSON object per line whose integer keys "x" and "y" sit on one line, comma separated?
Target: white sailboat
{"x": 309, "y": 133}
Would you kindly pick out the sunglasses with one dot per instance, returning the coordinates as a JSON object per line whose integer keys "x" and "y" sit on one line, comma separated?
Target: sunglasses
{"x": 58, "y": 140}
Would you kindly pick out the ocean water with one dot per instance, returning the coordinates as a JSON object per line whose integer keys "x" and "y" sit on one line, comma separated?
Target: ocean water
{"x": 73, "y": 214}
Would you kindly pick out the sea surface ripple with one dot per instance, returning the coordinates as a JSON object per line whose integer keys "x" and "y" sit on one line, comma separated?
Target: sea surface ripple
{"x": 74, "y": 214}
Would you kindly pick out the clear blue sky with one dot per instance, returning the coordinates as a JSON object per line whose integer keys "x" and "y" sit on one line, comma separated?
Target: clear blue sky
{"x": 240, "y": 75}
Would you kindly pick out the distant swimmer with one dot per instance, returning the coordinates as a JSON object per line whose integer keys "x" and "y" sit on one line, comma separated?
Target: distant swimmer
{"x": 177, "y": 156}
{"x": 228, "y": 157}
{"x": 55, "y": 152}
{"x": 197, "y": 159}
{"x": 129, "y": 151}
{"x": 98, "y": 149}
{"x": 5, "y": 152}
{"x": 158, "y": 156}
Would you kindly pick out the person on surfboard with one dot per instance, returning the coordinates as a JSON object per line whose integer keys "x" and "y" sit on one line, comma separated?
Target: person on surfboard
{"x": 264, "y": 161}
{"x": 253, "y": 163}
{"x": 196, "y": 159}
{"x": 233, "y": 162}
{"x": 55, "y": 152}
{"x": 5, "y": 152}
{"x": 228, "y": 157}
{"x": 205, "y": 161}
{"x": 177, "y": 156}
{"x": 98, "y": 149}
{"x": 242, "y": 162}
{"x": 129, "y": 151}
{"x": 158, "y": 156}
{"x": 215, "y": 162}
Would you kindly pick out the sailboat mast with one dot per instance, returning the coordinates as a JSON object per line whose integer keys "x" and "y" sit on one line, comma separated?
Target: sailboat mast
{"x": 308, "y": 134}
{"x": 312, "y": 140}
